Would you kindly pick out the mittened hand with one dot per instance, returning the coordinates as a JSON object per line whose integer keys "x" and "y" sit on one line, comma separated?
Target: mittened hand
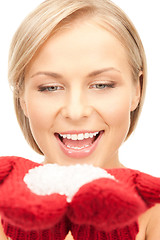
{"x": 117, "y": 203}
{"x": 36, "y": 197}
{"x": 124, "y": 201}
{"x": 19, "y": 206}
{"x": 27, "y": 215}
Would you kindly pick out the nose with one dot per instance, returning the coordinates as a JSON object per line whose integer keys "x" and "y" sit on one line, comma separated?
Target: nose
{"x": 76, "y": 107}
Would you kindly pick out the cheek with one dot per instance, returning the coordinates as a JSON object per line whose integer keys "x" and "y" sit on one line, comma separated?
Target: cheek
{"x": 115, "y": 111}
{"x": 119, "y": 115}
{"x": 40, "y": 114}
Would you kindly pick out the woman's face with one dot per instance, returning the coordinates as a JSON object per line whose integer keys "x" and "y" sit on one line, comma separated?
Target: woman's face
{"x": 78, "y": 96}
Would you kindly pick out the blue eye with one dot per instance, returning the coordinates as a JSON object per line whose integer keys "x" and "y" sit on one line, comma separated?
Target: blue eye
{"x": 49, "y": 88}
{"x": 103, "y": 85}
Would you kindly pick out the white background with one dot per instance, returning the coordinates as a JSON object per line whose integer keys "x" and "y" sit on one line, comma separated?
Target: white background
{"x": 141, "y": 151}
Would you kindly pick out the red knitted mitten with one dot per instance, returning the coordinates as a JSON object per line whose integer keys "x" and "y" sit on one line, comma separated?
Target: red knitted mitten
{"x": 104, "y": 209}
{"x": 26, "y": 215}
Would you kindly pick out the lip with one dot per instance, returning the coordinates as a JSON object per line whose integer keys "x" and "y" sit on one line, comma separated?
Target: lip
{"x": 79, "y": 153}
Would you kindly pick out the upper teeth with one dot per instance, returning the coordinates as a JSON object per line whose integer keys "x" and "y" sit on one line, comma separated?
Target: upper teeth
{"x": 80, "y": 136}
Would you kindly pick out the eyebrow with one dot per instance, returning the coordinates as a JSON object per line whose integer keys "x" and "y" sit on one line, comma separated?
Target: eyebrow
{"x": 51, "y": 74}
{"x": 98, "y": 72}
{"x": 92, "y": 74}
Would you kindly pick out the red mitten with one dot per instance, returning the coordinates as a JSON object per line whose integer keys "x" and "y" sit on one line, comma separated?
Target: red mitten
{"x": 24, "y": 213}
{"x": 104, "y": 209}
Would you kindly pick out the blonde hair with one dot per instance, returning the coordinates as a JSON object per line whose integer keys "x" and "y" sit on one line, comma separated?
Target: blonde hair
{"x": 50, "y": 17}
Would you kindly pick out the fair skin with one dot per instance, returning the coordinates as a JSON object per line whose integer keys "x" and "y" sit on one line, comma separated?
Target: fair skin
{"x": 84, "y": 85}
{"x": 80, "y": 86}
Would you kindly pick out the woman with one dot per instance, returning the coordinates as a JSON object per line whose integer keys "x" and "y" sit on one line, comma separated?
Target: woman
{"x": 78, "y": 73}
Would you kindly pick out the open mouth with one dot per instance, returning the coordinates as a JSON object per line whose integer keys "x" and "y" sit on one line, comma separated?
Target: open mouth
{"x": 78, "y": 141}
{"x": 79, "y": 145}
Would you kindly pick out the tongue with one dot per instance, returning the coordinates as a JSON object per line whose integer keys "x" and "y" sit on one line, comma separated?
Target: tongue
{"x": 78, "y": 143}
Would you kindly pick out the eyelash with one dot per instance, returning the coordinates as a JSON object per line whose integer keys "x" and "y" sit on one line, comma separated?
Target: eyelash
{"x": 102, "y": 86}
{"x": 49, "y": 88}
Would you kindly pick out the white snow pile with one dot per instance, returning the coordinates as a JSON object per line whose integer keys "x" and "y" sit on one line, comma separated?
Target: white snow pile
{"x": 65, "y": 180}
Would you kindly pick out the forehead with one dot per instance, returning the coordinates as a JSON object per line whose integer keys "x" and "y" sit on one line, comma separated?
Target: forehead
{"x": 83, "y": 44}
